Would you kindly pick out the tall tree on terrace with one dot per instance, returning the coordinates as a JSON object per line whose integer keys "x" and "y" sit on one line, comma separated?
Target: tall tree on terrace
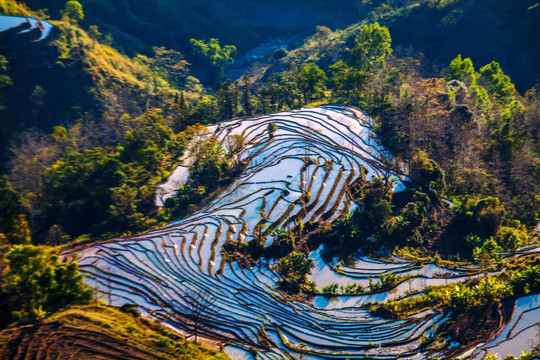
{"x": 246, "y": 95}
{"x": 200, "y": 308}
{"x": 227, "y": 98}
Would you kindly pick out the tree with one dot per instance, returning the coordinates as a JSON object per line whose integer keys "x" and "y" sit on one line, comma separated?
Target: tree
{"x": 227, "y": 99}
{"x": 270, "y": 94}
{"x": 73, "y": 11}
{"x": 279, "y": 53}
{"x": 341, "y": 76}
{"x": 94, "y": 32}
{"x": 372, "y": 47}
{"x": 206, "y": 111}
{"x": 296, "y": 266}
{"x": 217, "y": 55}
{"x": 5, "y": 80}
{"x": 214, "y": 54}
{"x": 489, "y": 290}
{"x": 21, "y": 231}
{"x": 487, "y": 253}
{"x": 246, "y": 95}
{"x": 80, "y": 185}
{"x": 311, "y": 81}
{"x": 210, "y": 164}
{"x": 10, "y": 206}
{"x": 146, "y": 141}
{"x": 173, "y": 63}
{"x": 497, "y": 83}
{"x": 511, "y": 238}
{"x": 236, "y": 143}
{"x": 477, "y": 219}
{"x": 36, "y": 280}
{"x": 123, "y": 210}
{"x": 199, "y": 307}
{"x": 462, "y": 70}
{"x": 427, "y": 174}
{"x": 526, "y": 281}
{"x": 460, "y": 296}
{"x": 271, "y": 127}
{"x": 56, "y": 236}
{"x": 289, "y": 93}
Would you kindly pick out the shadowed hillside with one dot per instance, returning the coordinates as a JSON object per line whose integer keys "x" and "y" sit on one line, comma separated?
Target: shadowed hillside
{"x": 504, "y": 31}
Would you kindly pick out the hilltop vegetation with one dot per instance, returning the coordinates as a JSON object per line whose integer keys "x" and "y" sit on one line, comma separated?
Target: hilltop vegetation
{"x": 503, "y": 31}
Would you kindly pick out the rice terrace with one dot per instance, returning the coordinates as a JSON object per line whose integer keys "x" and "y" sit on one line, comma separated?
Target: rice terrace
{"x": 321, "y": 151}
{"x": 269, "y": 179}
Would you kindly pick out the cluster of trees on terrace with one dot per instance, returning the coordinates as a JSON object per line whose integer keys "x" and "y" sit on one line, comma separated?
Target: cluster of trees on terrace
{"x": 521, "y": 279}
{"x": 34, "y": 284}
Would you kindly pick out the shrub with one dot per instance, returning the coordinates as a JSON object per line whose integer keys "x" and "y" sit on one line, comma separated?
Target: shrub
{"x": 510, "y": 238}
{"x": 330, "y": 289}
{"x": 527, "y": 281}
{"x": 279, "y": 53}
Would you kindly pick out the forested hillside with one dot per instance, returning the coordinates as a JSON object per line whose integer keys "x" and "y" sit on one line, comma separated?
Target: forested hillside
{"x": 140, "y": 25}
{"x": 504, "y": 31}
{"x": 74, "y": 74}
{"x": 120, "y": 95}
{"x": 485, "y": 31}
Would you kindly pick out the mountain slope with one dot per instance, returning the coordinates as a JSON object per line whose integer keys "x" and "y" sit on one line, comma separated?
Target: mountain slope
{"x": 139, "y": 25}
{"x": 504, "y": 31}
{"x": 97, "y": 332}
{"x": 70, "y": 75}
{"x": 484, "y": 31}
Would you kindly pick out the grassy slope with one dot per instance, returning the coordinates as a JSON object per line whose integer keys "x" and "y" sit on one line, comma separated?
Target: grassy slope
{"x": 75, "y": 75}
{"x": 99, "y": 61}
{"x": 98, "y": 332}
{"x": 10, "y": 7}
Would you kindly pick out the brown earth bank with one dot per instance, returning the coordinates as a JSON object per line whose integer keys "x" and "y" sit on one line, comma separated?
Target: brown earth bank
{"x": 478, "y": 324}
{"x": 98, "y": 332}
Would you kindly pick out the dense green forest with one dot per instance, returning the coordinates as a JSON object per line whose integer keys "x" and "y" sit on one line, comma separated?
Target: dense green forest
{"x": 107, "y": 108}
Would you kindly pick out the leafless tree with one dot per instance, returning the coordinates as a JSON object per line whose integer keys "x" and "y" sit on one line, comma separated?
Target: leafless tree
{"x": 200, "y": 308}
